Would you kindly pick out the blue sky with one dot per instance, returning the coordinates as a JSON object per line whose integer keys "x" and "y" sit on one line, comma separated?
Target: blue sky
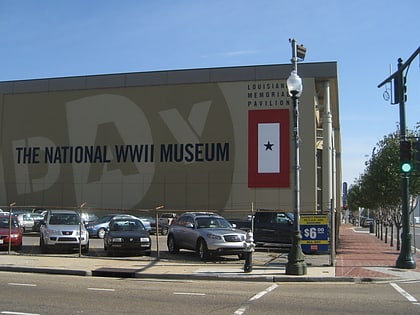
{"x": 52, "y": 38}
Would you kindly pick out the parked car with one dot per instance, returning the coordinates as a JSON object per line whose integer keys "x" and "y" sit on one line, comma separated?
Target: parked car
{"x": 38, "y": 220}
{"x": 61, "y": 229}
{"x": 12, "y": 227}
{"x": 163, "y": 228}
{"x": 167, "y": 218}
{"x": 146, "y": 222}
{"x": 27, "y": 220}
{"x": 127, "y": 234}
{"x": 365, "y": 221}
{"x": 206, "y": 233}
{"x": 88, "y": 217}
{"x": 98, "y": 227}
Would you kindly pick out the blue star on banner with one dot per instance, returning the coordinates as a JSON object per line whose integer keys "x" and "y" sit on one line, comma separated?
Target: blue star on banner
{"x": 268, "y": 146}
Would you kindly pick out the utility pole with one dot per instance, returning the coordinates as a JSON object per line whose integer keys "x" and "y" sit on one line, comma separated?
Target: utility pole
{"x": 405, "y": 259}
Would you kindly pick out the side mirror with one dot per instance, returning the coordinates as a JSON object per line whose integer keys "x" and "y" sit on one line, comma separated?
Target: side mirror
{"x": 234, "y": 225}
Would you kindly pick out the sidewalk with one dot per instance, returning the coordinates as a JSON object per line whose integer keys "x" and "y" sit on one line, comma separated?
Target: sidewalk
{"x": 360, "y": 257}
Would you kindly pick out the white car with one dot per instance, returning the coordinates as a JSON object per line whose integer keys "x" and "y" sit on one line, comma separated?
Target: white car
{"x": 61, "y": 229}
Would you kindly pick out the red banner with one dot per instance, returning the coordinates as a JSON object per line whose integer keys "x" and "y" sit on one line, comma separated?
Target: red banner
{"x": 268, "y": 148}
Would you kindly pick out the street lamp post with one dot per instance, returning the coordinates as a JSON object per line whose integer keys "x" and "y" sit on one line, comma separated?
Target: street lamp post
{"x": 296, "y": 263}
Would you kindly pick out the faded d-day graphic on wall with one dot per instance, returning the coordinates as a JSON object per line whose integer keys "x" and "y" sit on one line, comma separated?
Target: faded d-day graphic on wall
{"x": 121, "y": 148}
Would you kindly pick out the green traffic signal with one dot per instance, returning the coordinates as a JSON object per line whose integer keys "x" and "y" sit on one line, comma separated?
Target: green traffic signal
{"x": 406, "y": 167}
{"x": 406, "y": 156}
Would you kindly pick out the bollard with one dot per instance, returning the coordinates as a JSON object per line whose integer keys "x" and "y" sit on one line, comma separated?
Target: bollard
{"x": 249, "y": 249}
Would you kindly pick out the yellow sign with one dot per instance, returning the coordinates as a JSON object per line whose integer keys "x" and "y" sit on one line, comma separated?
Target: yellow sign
{"x": 314, "y": 219}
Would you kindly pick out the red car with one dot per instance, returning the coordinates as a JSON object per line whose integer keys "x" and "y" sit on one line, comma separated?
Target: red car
{"x": 16, "y": 232}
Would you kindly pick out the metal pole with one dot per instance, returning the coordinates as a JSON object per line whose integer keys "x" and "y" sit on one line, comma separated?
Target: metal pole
{"x": 296, "y": 264}
{"x": 10, "y": 226}
{"x": 10, "y": 231}
{"x": 157, "y": 231}
{"x": 80, "y": 227}
{"x": 405, "y": 259}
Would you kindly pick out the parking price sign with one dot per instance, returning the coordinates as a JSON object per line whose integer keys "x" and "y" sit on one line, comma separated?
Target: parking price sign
{"x": 314, "y": 230}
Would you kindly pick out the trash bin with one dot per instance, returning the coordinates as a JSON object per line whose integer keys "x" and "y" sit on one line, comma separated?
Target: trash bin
{"x": 371, "y": 228}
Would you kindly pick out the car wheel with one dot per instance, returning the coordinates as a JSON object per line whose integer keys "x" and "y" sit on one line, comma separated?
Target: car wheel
{"x": 109, "y": 252}
{"x": 203, "y": 252}
{"x": 101, "y": 233}
{"x": 85, "y": 249}
{"x": 172, "y": 247}
{"x": 44, "y": 248}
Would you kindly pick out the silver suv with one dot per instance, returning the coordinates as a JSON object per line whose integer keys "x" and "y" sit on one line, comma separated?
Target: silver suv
{"x": 61, "y": 229}
{"x": 207, "y": 233}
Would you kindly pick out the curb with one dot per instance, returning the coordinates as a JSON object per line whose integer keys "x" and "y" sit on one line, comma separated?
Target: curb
{"x": 133, "y": 273}
{"x": 70, "y": 272}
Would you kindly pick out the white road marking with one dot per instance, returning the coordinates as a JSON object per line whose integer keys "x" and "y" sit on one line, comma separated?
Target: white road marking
{"x": 189, "y": 293}
{"x": 404, "y": 293}
{"x": 17, "y": 313}
{"x": 101, "y": 289}
{"x": 262, "y": 293}
{"x": 243, "y": 308}
{"x": 22, "y": 284}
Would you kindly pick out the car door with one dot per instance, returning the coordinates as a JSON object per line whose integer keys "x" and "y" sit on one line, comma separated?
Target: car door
{"x": 264, "y": 230}
{"x": 284, "y": 227}
{"x": 182, "y": 231}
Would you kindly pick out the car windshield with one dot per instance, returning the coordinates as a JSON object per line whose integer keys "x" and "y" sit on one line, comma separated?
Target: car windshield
{"x": 212, "y": 223}
{"x": 126, "y": 225}
{"x": 64, "y": 219}
{"x": 4, "y": 222}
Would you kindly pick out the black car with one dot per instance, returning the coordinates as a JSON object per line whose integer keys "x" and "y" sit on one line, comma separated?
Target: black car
{"x": 127, "y": 234}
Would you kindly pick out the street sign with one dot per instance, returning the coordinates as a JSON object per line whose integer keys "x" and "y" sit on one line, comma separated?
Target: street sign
{"x": 314, "y": 230}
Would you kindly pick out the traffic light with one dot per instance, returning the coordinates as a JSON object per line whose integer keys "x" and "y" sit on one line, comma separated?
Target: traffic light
{"x": 416, "y": 147}
{"x": 400, "y": 89}
{"x": 406, "y": 156}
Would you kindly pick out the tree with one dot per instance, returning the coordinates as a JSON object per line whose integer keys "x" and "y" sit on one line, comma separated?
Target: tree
{"x": 379, "y": 187}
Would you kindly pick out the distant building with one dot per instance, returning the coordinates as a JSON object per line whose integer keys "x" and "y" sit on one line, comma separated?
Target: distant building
{"x": 217, "y": 138}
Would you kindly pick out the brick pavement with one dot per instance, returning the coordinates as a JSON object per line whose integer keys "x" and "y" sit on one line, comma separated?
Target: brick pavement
{"x": 358, "y": 252}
